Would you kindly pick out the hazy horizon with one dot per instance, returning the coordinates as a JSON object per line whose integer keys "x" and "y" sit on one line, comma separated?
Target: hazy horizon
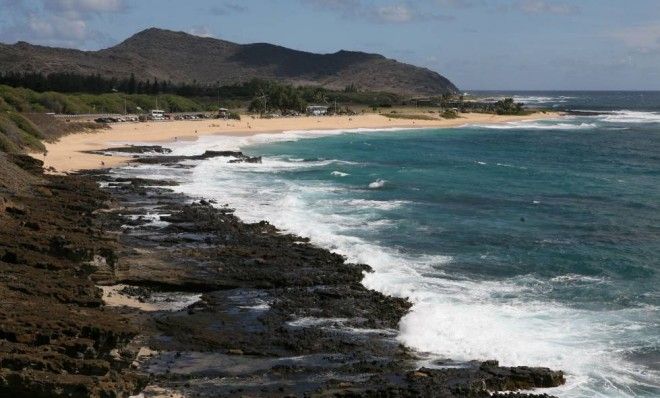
{"x": 514, "y": 45}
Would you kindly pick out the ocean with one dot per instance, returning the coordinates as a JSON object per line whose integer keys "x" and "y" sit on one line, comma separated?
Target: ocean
{"x": 533, "y": 243}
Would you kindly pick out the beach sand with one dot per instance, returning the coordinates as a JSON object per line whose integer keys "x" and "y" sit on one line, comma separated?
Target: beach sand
{"x": 114, "y": 297}
{"x": 68, "y": 154}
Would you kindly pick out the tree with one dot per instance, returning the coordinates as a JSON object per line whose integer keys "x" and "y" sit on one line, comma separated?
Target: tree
{"x": 131, "y": 84}
{"x": 508, "y": 107}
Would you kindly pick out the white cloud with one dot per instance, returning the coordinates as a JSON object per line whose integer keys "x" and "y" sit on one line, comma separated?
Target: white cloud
{"x": 640, "y": 37}
{"x": 526, "y": 6}
{"x": 227, "y": 9}
{"x": 546, "y": 7}
{"x": 57, "y": 22}
{"x": 460, "y": 3}
{"x": 85, "y": 6}
{"x": 336, "y": 4}
{"x": 57, "y": 27}
{"x": 201, "y": 31}
{"x": 395, "y": 13}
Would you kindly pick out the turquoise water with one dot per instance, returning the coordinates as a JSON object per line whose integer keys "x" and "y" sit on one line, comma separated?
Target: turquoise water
{"x": 534, "y": 243}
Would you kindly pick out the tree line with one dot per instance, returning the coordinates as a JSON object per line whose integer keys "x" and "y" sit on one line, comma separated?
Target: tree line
{"x": 261, "y": 94}
{"x": 71, "y": 82}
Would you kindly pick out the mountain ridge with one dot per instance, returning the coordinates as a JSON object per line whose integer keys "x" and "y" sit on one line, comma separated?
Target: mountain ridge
{"x": 182, "y": 57}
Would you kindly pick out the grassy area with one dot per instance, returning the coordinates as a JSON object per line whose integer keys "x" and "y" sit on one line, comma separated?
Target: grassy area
{"x": 25, "y": 100}
{"x": 410, "y": 116}
{"x": 24, "y": 124}
{"x": 16, "y": 133}
{"x": 414, "y": 113}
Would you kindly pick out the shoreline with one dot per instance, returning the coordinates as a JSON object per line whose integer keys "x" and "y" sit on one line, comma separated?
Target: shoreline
{"x": 204, "y": 303}
{"x": 282, "y": 301}
{"x": 72, "y": 152}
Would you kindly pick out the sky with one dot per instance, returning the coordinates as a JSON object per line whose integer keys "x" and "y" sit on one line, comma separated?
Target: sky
{"x": 477, "y": 44}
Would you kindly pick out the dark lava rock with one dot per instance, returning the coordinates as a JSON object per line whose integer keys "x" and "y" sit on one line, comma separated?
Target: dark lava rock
{"x": 278, "y": 316}
{"x": 137, "y": 149}
{"x": 55, "y": 338}
{"x": 171, "y": 160}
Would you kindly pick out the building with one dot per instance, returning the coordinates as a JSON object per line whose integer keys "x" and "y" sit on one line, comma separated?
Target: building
{"x": 223, "y": 113}
{"x": 317, "y": 110}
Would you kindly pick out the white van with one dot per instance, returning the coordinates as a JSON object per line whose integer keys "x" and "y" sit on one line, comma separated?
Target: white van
{"x": 157, "y": 114}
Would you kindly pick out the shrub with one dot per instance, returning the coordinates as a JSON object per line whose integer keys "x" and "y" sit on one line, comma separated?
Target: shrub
{"x": 25, "y": 125}
{"x": 6, "y": 145}
{"x": 449, "y": 114}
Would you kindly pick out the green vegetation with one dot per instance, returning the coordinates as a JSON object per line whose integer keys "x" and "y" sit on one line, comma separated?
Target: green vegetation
{"x": 18, "y": 133}
{"x": 508, "y": 107}
{"x": 411, "y": 116}
{"x": 25, "y": 100}
{"x": 76, "y": 93}
{"x": 280, "y": 96}
{"x": 270, "y": 95}
{"x": 23, "y": 123}
{"x": 20, "y": 129}
{"x": 449, "y": 114}
{"x": 67, "y": 82}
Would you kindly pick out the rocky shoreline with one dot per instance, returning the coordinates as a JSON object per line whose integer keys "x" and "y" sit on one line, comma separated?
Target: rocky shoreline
{"x": 199, "y": 303}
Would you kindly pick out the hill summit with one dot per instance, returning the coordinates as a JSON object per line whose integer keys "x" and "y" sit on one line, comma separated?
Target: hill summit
{"x": 182, "y": 57}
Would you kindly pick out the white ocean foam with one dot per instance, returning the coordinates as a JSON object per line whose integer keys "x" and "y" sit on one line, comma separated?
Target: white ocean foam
{"x": 338, "y": 324}
{"x": 530, "y": 99}
{"x": 622, "y": 116}
{"x": 456, "y": 318}
{"x": 373, "y": 204}
{"x": 575, "y": 278}
{"x": 306, "y": 322}
{"x": 236, "y": 142}
{"x": 510, "y": 165}
{"x": 152, "y": 219}
{"x": 625, "y": 116}
{"x": 339, "y": 174}
{"x": 540, "y": 99}
{"x": 467, "y": 320}
{"x": 536, "y": 126}
{"x": 377, "y": 184}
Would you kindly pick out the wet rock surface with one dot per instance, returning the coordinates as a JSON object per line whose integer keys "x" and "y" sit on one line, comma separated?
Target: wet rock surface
{"x": 235, "y": 309}
{"x": 136, "y": 149}
{"x": 160, "y": 155}
{"x": 237, "y": 156}
{"x": 277, "y": 316}
{"x": 56, "y": 339}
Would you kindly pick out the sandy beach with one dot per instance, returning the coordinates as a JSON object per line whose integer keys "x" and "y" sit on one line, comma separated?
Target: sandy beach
{"x": 69, "y": 153}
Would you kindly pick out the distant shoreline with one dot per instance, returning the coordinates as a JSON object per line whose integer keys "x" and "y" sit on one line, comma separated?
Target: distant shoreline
{"x": 71, "y": 153}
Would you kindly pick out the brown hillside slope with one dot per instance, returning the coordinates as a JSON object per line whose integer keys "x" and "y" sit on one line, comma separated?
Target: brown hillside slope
{"x": 181, "y": 57}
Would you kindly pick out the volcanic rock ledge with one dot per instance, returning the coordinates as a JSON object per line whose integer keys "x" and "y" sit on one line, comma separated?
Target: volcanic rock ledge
{"x": 56, "y": 339}
{"x": 205, "y": 304}
{"x": 276, "y": 315}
